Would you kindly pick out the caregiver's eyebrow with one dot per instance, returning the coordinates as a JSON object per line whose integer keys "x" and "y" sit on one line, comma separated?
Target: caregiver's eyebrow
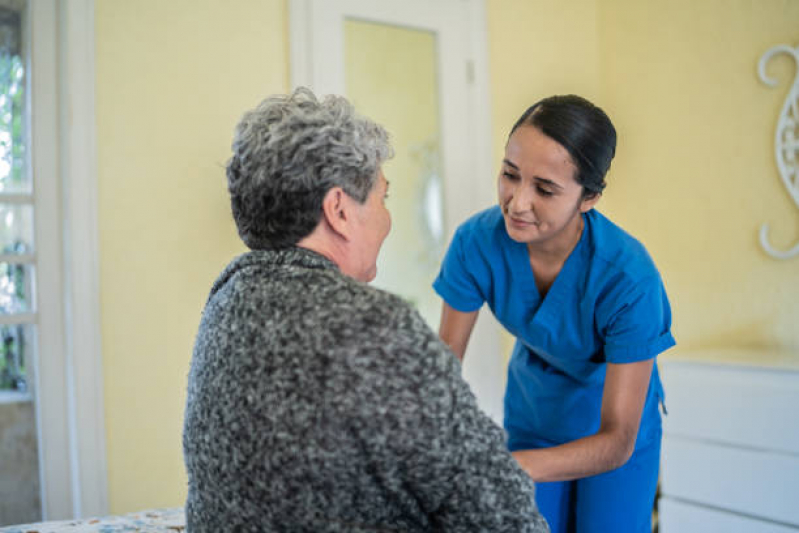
{"x": 548, "y": 182}
{"x": 539, "y": 179}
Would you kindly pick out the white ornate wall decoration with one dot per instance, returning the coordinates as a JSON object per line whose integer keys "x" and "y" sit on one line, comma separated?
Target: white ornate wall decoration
{"x": 786, "y": 142}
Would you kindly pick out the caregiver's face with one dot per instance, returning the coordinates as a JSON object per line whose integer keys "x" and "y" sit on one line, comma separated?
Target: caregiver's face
{"x": 538, "y": 193}
{"x": 374, "y": 223}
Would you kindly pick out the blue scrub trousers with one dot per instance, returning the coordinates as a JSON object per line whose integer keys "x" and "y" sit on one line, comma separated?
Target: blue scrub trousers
{"x": 619, "y": 501}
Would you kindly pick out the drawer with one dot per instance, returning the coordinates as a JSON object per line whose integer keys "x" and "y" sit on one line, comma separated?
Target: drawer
{"x": 752, "y": 482}
{"x": 681, "y": 517}
{"x": 751, "y": 407}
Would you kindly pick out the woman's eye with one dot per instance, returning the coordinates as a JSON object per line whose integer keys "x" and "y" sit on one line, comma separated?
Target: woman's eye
{"x": 543, "y": 192}
{"x": 510, "y": 176}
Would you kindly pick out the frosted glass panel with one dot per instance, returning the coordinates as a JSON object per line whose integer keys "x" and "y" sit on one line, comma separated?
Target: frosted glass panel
{"x": 391, "y": 77}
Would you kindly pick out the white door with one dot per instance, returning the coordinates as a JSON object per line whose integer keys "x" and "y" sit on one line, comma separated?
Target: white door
{"x": 419, "y": 68}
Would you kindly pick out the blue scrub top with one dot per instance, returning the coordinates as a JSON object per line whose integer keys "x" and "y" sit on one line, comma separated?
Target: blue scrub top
{"x": 607, "y": 304}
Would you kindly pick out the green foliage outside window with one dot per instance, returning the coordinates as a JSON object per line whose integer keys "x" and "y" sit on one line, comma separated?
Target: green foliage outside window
{"x": 12, "y": 106}
{"x": 13, "y": 283}
{"x": 12, "y": 364}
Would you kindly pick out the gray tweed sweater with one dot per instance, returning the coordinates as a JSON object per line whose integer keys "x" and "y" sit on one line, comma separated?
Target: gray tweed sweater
{"x": 318, "y": 403}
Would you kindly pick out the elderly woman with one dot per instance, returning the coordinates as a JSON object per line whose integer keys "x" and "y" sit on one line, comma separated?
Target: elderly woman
{"x": 316, "y": 402}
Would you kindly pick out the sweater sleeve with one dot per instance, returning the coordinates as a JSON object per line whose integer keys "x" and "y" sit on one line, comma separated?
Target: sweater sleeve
{"x": 447, "y": 452}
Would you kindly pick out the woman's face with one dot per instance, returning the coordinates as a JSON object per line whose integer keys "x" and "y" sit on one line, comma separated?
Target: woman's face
{"x": 374, "y": 223}
{"x": 538, "y": 193}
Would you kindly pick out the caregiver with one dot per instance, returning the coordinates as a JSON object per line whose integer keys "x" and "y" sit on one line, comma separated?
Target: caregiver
{"x": 589, "y": 312}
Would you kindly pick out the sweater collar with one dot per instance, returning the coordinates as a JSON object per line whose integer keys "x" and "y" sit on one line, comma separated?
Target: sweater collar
{"x": 294, "y": 256}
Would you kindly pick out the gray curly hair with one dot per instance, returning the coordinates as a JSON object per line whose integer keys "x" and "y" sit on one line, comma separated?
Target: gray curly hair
{"x": 288, "y": 153}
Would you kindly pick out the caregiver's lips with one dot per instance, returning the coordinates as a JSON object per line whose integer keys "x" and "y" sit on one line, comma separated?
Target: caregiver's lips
{"x": 520, "y": 223}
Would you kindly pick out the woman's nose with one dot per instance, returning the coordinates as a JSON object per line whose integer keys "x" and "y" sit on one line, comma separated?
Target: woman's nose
{"x": 520, "y": 201}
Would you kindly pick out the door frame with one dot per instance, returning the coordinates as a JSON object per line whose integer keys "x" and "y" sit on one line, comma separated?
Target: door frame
{"x": 68, "y": 378}
{"x": 316, "y": 39}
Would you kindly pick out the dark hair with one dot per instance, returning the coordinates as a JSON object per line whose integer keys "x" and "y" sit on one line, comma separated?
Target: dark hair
{"x": 583, "y": 129}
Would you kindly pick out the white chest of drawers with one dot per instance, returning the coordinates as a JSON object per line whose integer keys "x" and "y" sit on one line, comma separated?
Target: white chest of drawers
{"x": 730, "y": 459}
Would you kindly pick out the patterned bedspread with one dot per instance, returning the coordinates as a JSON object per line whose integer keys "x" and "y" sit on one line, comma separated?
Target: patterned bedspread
{"x": 150, "y": 521}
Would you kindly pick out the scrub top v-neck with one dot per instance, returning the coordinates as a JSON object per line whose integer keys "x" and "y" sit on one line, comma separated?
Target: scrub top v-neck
{"x": 607, "y": 304}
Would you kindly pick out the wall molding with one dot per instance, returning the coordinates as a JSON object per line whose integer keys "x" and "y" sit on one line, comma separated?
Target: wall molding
{"x": 81, "y": 256}
{"x": 786, "y": 144}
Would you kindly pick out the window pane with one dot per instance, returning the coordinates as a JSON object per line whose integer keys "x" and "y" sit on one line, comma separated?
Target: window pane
{"x": 16, "y": 282}
{"x": 20, "y": 496}
{"x": 15, "y": 355}
{"x": 13, "y": 175}
{"x": 16, "y": 229}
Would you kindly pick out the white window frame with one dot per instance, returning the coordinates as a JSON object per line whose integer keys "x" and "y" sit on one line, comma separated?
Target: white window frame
{"x": 68, "y": 372}
{"x": 21, "y": 198}
{"x": 317, "y": 61}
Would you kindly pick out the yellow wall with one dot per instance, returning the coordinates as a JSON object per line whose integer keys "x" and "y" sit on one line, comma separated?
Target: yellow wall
{"x": 173, "y": 78}
{"x": 538, "y": 48}
{"x": 694, "y": 175}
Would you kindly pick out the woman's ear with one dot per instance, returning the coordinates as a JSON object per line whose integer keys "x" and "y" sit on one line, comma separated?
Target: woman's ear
{"x": 588, "y": 202}
{"x": 336, "y": 211}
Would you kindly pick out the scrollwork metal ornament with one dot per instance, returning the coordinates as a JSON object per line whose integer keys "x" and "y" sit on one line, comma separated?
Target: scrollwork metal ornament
{"x": 786, "y": 142}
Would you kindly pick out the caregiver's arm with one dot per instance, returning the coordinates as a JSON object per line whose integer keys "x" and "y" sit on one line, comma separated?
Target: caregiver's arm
{"x": 623, "y": 401}
{"x": 456, "y": 328}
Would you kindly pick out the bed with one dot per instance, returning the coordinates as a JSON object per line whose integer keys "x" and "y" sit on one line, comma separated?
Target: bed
{"x": 149, "y": 521}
